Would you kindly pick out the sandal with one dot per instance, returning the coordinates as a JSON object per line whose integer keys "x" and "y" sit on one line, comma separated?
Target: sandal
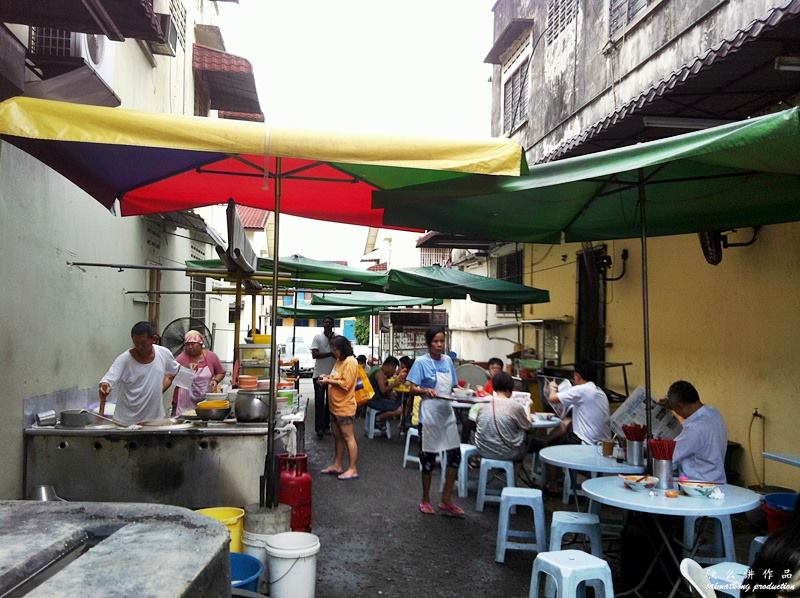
{"x": 426, "y": 508}
{"x": 332, "y": 471}
{"x": 451, "y": 510}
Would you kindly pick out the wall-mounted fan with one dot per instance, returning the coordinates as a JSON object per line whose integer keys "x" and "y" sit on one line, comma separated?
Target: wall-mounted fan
{"x": 173, "y": 333}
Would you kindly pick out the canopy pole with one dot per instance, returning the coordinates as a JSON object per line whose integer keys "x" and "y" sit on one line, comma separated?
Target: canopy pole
{"x": 296, "y": 368}
{"x": 269, "y": 466}
{"x": 645, "y": 306}
{"x": 237, "y": 325}
{"x": 252, "y": 314}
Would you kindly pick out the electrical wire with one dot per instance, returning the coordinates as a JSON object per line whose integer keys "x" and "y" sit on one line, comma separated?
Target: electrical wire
{"x": 763, "y": 448}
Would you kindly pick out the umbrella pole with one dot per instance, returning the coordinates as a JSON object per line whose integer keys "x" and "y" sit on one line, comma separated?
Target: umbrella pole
{"x": 294, "y": 342}
{"x": 252, "y": 314}
{"x": 269, "y": 466}
{"x": 645, "y": 307}
{"x": 237, "y": 325}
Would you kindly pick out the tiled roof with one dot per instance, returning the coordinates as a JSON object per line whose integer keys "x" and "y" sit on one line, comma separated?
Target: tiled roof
{"x": 253, "y": 116}
{"x": 211, "y": 59}
{"x": 378, "y": 267}
{"x": 679, "y": 79}
{"x": 252, "y": 218}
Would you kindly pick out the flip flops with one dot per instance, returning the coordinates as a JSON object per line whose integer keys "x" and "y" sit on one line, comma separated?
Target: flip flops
{"x": 332, "y": 471}
{"x": 348, "y": 478}
{"x": 426, "y": 508}
{"x": 451, "y": 510}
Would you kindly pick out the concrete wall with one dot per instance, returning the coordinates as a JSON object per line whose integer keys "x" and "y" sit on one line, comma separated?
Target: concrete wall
{"x": 61, "y": 327}
{"x": 728, "y": 329}
{"x": 584, "y": 74}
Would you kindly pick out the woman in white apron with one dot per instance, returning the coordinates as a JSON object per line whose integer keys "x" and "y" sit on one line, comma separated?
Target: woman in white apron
{"x": 208, "y": 373}
{"x": 434, "y": 375}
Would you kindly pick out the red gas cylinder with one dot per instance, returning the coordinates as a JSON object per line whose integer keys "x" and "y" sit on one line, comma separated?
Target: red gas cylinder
{"x": 295, "y": 489}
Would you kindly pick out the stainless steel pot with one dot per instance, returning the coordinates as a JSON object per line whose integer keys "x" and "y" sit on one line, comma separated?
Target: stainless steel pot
{"x": 252, "y": 406}
{"x": 74, "y": 418}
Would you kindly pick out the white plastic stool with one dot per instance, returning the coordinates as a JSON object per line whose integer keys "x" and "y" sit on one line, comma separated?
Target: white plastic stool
{"x": 487, "y": 494}
{"x": 407, "y": 456}
{"x": 755, "y": 547}
{"x": 369, "y": 425}
{"x": 524, "y": 497}
{"x": 568, "y": 568}
{"x": 726, "y": 578}
{"x": 567, "y": 522}
{"x": 462, "y": 483}
{"x": 722, "y": 546}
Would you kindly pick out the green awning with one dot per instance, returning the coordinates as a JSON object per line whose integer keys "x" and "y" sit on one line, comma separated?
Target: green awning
{"x": 737, "y": 175}
{"x": 315, "y": 274}
{"x": 367, "y": 299}
{"x": 449, "y": 283}
{"x": 320, "y": 311}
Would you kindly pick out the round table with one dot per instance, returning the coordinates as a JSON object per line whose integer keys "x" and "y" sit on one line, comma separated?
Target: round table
{"x": 538, "y": 423}
{"x": 585, "y": 457}
{"x": 611, "y": 491}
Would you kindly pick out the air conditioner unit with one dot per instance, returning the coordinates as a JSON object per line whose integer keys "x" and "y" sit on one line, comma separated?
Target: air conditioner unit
{"x": 96, "y": 50}
{"x": 169, "y": 32}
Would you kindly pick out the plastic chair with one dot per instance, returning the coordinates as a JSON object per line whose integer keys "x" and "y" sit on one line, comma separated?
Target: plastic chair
{"x": 694, "y": 574}
{"x": 487, "y": 494}
{"x": 567, "y": 522}
{"x": 525, "y": 497}
{"x": 462, "y": 483}
{"x": 568, "y": 568}
{"x": 726, "y": 578}
{"x": 407, "y": 456}
{"x": 755, "y": 547}
{"x": 369, "y": 425}
{"x": 723, "y": 540}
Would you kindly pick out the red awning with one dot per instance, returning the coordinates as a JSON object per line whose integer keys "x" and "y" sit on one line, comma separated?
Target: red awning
{"x": 230, "y": 80}
{"x": 116, "y": 19}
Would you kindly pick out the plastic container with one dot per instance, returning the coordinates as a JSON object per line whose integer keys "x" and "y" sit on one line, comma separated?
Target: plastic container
{"x": 245, "y": 571}
{"x": 232, "y": 518}
{"x": 292, "y": 565}
{"x": 779, "y": 508}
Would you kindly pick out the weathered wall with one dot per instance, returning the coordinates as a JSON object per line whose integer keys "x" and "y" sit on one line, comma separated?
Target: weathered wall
{"x": 728, "y": 329}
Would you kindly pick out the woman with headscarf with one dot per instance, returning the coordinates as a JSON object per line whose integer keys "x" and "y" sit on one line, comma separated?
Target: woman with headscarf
{"x": 208, "y": 373}
{"x": 341, "y": 384}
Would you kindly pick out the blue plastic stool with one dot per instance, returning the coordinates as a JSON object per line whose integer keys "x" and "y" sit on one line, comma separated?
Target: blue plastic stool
{"x": 407, "y": 456}
{"x": 727, "y": 578}
{"x": 524, "y": 497}
{"x": 723, "y": 548}
{"x": 488, "y": 494}
{"x": 567, "y": 522}
{"x": 568, "y": 568}
{"x": 755, "y": 547}
{"x": 369, "y": 425}
{"x": 462, "y": 482}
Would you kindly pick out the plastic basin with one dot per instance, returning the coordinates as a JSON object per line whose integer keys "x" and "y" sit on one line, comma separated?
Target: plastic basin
{"x": 246, "y": 570}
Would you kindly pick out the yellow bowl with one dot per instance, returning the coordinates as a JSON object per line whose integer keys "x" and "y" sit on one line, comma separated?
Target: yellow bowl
{"x": 213, "y": 405}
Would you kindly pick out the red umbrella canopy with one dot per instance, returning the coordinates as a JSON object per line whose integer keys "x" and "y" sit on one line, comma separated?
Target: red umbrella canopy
{"x": 164, "y": 163}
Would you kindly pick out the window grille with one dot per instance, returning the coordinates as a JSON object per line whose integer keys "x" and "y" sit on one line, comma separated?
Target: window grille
{"x": 515, "y": 98}
{"x": 559, "y": 14}
{"x": 509, "y": 267}
{"x": 178, "y": 13}
{"x": 48, "y": 41}
{"x": 197, "y": 299}
{"x": 622, "y": 12}
{"x": 430, "y": 256}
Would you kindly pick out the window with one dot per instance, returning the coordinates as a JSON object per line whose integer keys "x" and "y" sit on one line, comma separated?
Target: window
{"x": 622, "y": 12}
{"x": 509, "y": 267}
{"x": 515, "y": 97}
{"x": 178, "y": 12}
{"x": 197, "y": 300}
{"x": 429, "y": 256}
{"x": 559, "y": 14}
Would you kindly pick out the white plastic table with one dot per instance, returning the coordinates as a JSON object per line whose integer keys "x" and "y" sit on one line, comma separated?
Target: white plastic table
{"x": 544, "y": 424}
{"x": 787, "y": 458}
{"x": 612, "y": 492}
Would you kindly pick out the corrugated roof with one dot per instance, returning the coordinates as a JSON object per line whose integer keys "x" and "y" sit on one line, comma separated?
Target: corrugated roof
{"x": 734, "y": 60}
{"x": 252, "y": 218}
{"x": 231, "y": 85}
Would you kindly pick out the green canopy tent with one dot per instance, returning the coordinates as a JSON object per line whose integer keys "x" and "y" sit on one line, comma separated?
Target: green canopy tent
{"x": 368, "y": 299}
{"x": 736, "y": 175}
{"x": 320, "y": 311}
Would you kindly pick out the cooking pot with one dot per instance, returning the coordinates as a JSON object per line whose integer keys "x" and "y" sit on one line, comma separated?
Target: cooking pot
{"x": 74, "y": 418}
{"x": 252, "y": 406}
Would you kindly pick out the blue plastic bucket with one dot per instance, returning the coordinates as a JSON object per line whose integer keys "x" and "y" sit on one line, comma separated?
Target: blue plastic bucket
{"x": 245, "y": 571}
{"x": 782, "y": 501}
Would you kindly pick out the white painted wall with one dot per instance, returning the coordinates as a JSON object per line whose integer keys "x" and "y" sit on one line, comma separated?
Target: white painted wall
{"x": 61, "y": 327}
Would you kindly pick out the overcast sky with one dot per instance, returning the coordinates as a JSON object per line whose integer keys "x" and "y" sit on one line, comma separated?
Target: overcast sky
{"x": 413, "y": 67}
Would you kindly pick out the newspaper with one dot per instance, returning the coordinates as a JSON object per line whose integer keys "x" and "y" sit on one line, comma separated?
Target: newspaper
{"x": 563, "y": 386}
{"x": 632, "y": 411}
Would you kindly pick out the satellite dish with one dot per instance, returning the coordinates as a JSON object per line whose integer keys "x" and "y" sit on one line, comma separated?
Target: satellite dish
{"x": 711, "y": 244}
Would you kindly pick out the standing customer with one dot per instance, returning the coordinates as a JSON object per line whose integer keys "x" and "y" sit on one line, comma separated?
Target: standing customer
{"x": 207, "y": 368}
{"x": 341, "y": 385}
{"x": 139, "y": 378}
{"x": 435, "y": 375}
{"x": 323, "y": 364}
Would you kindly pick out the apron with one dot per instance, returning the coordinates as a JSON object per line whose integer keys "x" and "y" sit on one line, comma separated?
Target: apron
{"x": 440, "y": 432}
{"x": 185, "y": 401}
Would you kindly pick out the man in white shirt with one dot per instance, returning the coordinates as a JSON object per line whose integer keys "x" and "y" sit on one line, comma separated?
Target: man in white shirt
{"x": 700, "y": 448}
{"x": 323, "y": 364}
{"x": 590, "y": 412}
{"x": 139, "y": 377}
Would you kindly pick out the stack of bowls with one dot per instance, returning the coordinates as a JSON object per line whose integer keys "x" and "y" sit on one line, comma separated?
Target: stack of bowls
{"x": 248, "y": 382}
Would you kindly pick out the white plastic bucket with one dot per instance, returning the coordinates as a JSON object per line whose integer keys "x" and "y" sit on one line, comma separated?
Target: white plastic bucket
{"x": 255, "y": 545}
{"x": 292, "y": 564}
